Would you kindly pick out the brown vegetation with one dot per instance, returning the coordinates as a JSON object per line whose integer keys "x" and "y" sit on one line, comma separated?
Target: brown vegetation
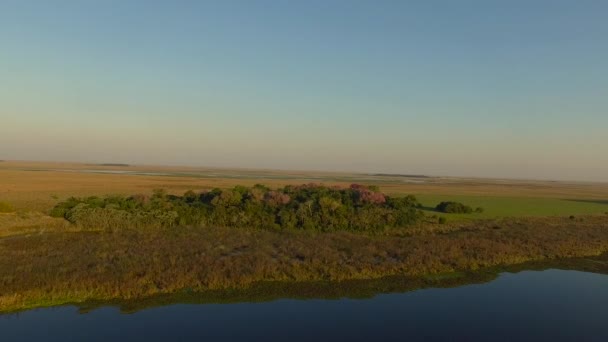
{"x": 353, "y": 288}
{"x": 62, "y": 266}
{"x": 39, "y": 186}
{"x": 32, "y": 223}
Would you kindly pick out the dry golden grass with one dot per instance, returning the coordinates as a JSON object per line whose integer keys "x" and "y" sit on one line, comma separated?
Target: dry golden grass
{"x": 28, "y": 223}
{"x": 39, "y": 186}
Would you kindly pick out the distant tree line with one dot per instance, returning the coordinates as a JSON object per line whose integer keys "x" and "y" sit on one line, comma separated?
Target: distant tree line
{"x": 307, "y": 207}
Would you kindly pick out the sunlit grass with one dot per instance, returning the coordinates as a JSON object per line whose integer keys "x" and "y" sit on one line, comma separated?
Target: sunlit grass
{"x": 40, "y": 186}
{"x": 498, "y": 206}
{"x": 48, "y": 267}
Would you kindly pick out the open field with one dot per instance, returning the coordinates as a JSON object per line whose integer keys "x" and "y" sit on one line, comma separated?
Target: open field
{"x": 36, "y": 186}
{"x": 507, "y": 206}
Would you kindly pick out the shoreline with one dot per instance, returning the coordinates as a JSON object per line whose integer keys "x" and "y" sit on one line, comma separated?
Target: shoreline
{"x": 264, "y": 291}
{"x": 62, "y": 267}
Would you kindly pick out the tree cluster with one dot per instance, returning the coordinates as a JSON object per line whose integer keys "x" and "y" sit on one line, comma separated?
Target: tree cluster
{"x": 308, "y": 207}
{"x": 455, "y": 208}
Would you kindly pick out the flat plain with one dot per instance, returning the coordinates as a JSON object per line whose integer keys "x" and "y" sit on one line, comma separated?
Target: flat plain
{"x": 46, "y": 261}
{"x": 38, "y": 186}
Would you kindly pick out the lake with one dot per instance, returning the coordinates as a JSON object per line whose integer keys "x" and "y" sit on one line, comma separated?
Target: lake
{"x": 552, "y": 305}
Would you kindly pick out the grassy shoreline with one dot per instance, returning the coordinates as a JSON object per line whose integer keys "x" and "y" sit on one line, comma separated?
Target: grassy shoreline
{"x": 352, "y": 289}
{"x": 264, "y": 291}
{"x": 61, "y": 265}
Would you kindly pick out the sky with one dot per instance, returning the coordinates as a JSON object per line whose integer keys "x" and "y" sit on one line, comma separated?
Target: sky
{"x": 510, "y": 89}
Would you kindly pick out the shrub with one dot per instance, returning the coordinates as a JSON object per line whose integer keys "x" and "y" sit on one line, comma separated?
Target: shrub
{"x": 453, "y": 208}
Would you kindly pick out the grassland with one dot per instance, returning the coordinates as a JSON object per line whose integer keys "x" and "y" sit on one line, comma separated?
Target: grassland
{"x": 46, "y": 261}
{"x": 31, "y": 186}
{"x": 507, "y": 206}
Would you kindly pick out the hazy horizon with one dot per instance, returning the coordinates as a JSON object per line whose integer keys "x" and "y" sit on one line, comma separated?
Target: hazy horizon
{"x": 142, "y": 166}
{"x": 473, "y": 88}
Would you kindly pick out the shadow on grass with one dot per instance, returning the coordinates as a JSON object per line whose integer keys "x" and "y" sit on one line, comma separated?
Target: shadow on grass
{"x": 429, "y": 209}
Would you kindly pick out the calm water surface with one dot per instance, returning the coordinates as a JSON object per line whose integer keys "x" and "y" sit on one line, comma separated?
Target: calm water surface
{"x": 549, "y": 305}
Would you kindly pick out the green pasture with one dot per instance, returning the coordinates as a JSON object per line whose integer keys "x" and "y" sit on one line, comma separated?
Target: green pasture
{"x": 499, "y": 206}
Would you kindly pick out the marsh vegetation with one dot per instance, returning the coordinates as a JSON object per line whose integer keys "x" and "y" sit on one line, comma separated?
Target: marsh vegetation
{"x": 353, "y": 288}
{"x": 72, "y": 264}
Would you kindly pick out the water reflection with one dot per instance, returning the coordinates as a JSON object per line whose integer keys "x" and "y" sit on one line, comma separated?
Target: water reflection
{"x": 530, "y": 305}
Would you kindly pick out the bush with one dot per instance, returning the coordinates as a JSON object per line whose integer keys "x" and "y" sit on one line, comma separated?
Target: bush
{"x": 6, "y": 207}
{"x": 309, "y": 207}
{"x": 453, "y": 208}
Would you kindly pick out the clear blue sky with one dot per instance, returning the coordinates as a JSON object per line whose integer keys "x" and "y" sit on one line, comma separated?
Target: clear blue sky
{"x": 465, "y": 88}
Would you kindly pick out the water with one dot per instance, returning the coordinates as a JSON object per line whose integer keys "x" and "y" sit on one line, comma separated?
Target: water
{"x": 549, "y": 305}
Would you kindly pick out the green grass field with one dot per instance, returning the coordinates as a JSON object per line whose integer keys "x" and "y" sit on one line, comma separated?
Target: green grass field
{"x": 499, "y": 206}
